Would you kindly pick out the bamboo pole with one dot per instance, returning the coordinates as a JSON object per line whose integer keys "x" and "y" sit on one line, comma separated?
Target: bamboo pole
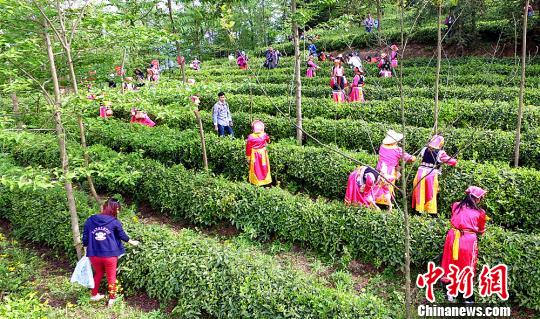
{"x": 522, "y": 85}
{"x": 203, "y": 140}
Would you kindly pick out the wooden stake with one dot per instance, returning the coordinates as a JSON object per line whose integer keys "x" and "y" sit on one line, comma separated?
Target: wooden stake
{"x": 203, "y": 140}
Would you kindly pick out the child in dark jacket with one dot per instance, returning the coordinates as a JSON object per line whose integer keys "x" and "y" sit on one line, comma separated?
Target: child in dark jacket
{"x": 103, "y": 235}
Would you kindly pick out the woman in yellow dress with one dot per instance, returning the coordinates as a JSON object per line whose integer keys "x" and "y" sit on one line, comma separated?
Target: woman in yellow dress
{"x": 257, "y": 155}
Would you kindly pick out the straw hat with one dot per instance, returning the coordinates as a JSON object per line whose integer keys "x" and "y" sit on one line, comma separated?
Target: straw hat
{"x": 436, "y": 142}
{"x": 392, "y": 137}
{"x": 476, "y": 191}
{"x": 257, "y": 126}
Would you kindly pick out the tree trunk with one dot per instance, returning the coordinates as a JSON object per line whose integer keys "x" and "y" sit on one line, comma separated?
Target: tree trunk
{"x": 521, "y": 86}
{"x": 71, "y": 69}
{"x": 264, "y": 24}
{"x": 16, "y": 110}
{"x": 176, "y": 42}
{"x": 87, "y": 159}
{"x": 297, "y": 81}
{"x": 67, "y": 50}
{"x": 406, "y": 224}
{"x": 438, "y": 74}
{"x": 63, "y": 152}
{"x": 66, "y": 44}
{"x": 122, "y": 70}
{"x": 15, "y": 102}
{"x": 203, "y": 140}
{"x": 379, "y": 17}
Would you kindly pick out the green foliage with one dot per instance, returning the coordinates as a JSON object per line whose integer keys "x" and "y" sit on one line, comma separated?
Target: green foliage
{"x": 221, "y": 280}
{"x": 17, "y": 267}
{"x": 419, "y": 111}
{"x": 28, "y": 306}
{"x": 477, "y": 144}
{"x": 320, "y": 172}
{"x": 327, "y": 227}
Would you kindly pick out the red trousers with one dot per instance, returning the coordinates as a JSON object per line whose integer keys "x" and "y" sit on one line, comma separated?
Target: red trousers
{"x": 104, "y": 265}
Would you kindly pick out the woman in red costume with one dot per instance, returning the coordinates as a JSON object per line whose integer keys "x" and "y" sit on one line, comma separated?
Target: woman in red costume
{"x": 461, "y": 245}
{"x": 257, "y": 155}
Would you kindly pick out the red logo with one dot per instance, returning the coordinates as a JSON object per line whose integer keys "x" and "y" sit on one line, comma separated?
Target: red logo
{"x": 429, "y": 279}
{"x": 490, "y": 281}
{"x": 494, "y": 281}
{"x": 461, "y": 281}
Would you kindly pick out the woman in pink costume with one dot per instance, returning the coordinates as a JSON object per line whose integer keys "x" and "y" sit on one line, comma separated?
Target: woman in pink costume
{"x": 105, "y": 110}
{"x": 360, "y": 187}
{"x": 138, "y": 116}
{"x": 338, "y": 81}
{"x": 357, "y": 86}
{"x": 394, "y": 56}
{"x": 312, "y": 67}
{"x": 242, "y": 61}
{"x": 257, "y": 155}
{"x": 390, "y": 155}
{"x": 426, "y": 182}
{"x": 467, "y": 222}
{"x": 384, "y": 66}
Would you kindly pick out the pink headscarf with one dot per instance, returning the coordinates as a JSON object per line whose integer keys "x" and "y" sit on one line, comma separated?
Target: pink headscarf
{"x": 476, "y": 191}
{"x": 436, "y": 142}
{"x": 257, "y": 126}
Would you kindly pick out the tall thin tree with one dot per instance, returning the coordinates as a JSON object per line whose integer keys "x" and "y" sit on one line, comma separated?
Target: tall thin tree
{"x": 61, "y": 135}
{"x": 522, "y": 84}
{"x": 407, "y": 235}
{"x": 181, "y": 61}
{"x": 66, "y": 40}
{"x": 379, "y": 20}
{"x": 438, "y": 72}
{"x": 297, "y": 79}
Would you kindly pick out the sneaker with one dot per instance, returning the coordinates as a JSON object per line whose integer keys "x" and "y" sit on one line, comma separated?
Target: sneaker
{"x": 97, "y": 297}
{"x": 111, "y": 302}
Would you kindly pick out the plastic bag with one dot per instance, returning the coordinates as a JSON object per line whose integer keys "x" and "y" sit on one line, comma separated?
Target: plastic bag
{"x": 83, "y": 273}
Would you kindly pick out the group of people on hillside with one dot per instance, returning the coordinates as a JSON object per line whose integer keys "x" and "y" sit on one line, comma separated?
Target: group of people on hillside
{"x": 370, "y": 23}
{"x": 371, "y": 187}
{"x": 339, "y": 84}
{"x": 272, "y": 58}
{"x": 256, "y": 153}
{"x": 342, "y": 91}
{"x": 367, "y": 186}
{"x": 137, "y": 116}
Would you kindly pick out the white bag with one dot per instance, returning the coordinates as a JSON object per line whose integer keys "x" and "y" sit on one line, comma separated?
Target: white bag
{"x": 83, "y": 273}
